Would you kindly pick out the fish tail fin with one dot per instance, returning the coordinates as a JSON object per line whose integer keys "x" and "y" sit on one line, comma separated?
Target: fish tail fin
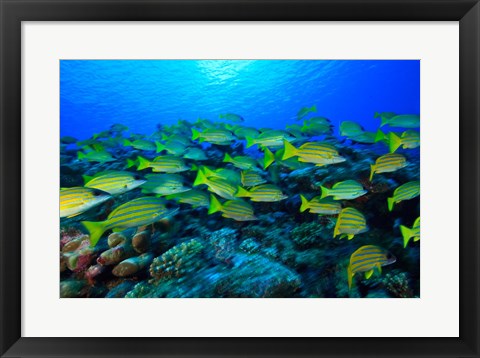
{"x": 195, "y": 134}
{"x": 268, "y": 158}
{"x": 130, "y": 163}
{"x": 227, "y": 159}
{"x": 290, "y": 150}
{"x": 200, "y": 179}
{"x": 164, "y": 136}
{"x": 250, "y": 141}
{"x": 350, "y": 277}
{"x": 394, "y": 142}
{"x": 242, "y": 193}
{"x": 194, "y": 167}
{"x": 142, "y": 163}
{"x": 87, "y": 178}
{"x": 95, "y": 230}
{"x": 208, "y": 172}
{"x": 229, "y": 126}
{"x": 390, "y": 202}
{"x": 81, "y": 155}
{"x": 350, "y": 236}
{"x": 372, "y": 171}
{"x": 215, "y": 205}
{"x": 313, "y": 108}
{"x": 159, "y": 146}
{"x": 376, "y": 115}
{"x": 407, "y": 234}
{"x": 305, "y": 204}
{"x": 127, "y": 143}
{"x": 325, "y": 192}
{"x": 379, "y": 136}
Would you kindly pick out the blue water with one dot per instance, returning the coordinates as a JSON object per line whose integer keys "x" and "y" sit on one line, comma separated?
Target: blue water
{"x": 267, "y": 93}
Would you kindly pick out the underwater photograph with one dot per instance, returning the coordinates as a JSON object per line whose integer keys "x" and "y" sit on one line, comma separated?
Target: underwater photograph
{"x": 239, "y": 179}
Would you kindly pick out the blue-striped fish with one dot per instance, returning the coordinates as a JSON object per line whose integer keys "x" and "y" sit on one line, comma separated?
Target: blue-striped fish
{"x": 302, "y": 113}
{"x": 366, "y": 259}
{"x": 171, "y": 147}
{"x": 163, "y": 164}
{"x": 388, "y": 163}
{"x": 241, "y": 162}
{"x": 319, "y": 153}
{"x": 93, "y": 156}
{"x": 350, "y": 222}
{"x": 242, "y": 132}
{"x": 408, "y": 233}
{"x": 195, "y": 198}
{"x": 344, "y": 190}
{"x": 405, "y": 191}
{"x": 320, "y": 206}
{"x": 251, "y": 178}
{"x": 402, "y": 120}
{"x": 232, "y": 176}
{"x": 238, "y": 210}
{"x": 216, "y": 185}
{"x": 164, "y": 184}
{"x": 314, "y": 128}
{"x": 140, "y": 144}
{"x": 270, "y": 138}
{"x": 76, "y": 200}
{"x": 364, "y": 137}
{"x": 350, "y": 129}
{"x": 264, "y": 192}
{"x": 195, "y": 154}
{"x": 214, "y": 136}
{"x": 114, "y": 182}
{"x": 232, "y": 117}
{"x": 134, "y": 213}
{"x": 408, "y": 140}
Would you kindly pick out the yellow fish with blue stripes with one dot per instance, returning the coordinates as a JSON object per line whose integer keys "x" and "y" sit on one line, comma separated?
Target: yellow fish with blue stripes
{"x": 241, "y": 162}
{"x": 408, "y": 140}
{"x": 138, "y": 212}
{"x": 114, "y": 182}
{"x": 264, "y": 192}
{"x": 163, "y": 164}
{"x": 164, "y": 184}
{"x": 320, "y": 206}
{"x": 319, "y": 153}
{"x": 366, "y": 259}
{"x": 408, "y": 233}
{"x": 77, "y": 200}
{"x": 238, "y": 210}
{"x": 388, "y": 163}
{"x": 195, "y": 198}
{"x": 350, "y": 222}
{"x": 251, "y": 178}
{"x": 405, "y": 191}
{"x": 216, "y": 185}
{"x": 344, "y": 190}
{"x": 214, "y": 136}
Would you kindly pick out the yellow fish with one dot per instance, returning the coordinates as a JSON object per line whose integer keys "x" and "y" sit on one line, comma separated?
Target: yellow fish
{"x": 409, "y": 233}
{"x": 350, "y": 222}
{"x": 366, "y": 259}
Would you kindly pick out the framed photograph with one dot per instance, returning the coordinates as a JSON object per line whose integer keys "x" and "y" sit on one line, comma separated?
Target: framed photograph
{"x": 239, "y": 179}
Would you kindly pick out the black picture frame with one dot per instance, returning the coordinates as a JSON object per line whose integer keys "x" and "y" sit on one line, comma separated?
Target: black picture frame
{"x": 13, "y": 12}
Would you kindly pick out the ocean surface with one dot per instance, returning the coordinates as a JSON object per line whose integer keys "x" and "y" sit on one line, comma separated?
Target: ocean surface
{"x": 267, "y": 93}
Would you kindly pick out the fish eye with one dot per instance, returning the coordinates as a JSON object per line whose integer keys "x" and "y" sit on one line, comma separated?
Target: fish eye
{"x": 169, "y": 205}
{"x": 97, "y": 193}
{"x": 137, "y": 177}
